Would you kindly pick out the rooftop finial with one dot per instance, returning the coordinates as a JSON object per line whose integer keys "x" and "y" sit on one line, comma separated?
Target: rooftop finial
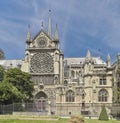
{"x": 88, "y": 55}
{"x": 28, "y": 33}
{"x": 56, "y": 32}
{"x": 42, "y": 26}
{"x": 108, "y": 60}
{"x": 49, "y": 25}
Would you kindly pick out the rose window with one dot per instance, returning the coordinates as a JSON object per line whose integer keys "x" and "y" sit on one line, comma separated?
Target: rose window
{"x": 42, "y": 63}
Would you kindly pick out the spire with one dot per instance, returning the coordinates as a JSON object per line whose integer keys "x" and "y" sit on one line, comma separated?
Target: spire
{"x": 49, "y": 25}
{"x": 28, "y": 40}
{"x": 88, "y": 55}
{"x": 42, "y": 26}
{"x": 28, "y": 34}
{"x": 108, "y": 60}
{"x": 56, "y": 32}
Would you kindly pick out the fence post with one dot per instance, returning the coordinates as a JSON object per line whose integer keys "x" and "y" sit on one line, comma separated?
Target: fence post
{"x": 13, "y": 107}
{"x": 3, "y": 109}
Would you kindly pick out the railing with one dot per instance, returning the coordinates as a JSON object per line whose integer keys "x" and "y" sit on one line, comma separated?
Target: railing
{"x": 62, "y": 109}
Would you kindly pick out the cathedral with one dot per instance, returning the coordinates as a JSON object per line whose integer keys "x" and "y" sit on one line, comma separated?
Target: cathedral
{"x": 65, "y": 86}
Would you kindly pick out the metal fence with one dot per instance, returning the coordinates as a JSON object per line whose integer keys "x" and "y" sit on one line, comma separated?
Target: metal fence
{"x": 62, "y": 109}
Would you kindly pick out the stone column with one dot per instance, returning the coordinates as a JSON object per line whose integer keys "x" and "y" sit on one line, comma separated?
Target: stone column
{"x": 61, "y": 69}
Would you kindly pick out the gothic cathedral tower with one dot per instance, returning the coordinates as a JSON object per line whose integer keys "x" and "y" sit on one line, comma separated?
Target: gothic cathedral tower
{"x": 44, "y": 61}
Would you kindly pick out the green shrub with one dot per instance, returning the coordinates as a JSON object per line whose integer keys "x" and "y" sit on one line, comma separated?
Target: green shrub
{"x": 103, "y": 114}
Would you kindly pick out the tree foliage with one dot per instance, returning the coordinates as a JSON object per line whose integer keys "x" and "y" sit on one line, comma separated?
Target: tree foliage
{"x": 9, "y": 93}
{"x": 2, "y": 55}
{"x": 16, "y": 86}
{"x": 2, "y": 72}
{"x": 103, "y": 114}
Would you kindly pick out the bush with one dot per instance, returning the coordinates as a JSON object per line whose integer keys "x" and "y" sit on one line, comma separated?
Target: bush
{"x": 76, "y": 119}
{"x": 103, "y": 114}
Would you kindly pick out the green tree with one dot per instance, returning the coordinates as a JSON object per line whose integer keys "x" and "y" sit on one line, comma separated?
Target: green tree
{"x": 2, "y": 55}
{"x": 2, "y": 72}
{"x": 9, "y": 93}
{"x": 103, "y": 114}
{"x": 20, "y": 80}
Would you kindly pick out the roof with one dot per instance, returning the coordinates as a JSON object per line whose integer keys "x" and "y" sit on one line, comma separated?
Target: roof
{"x": 10, "y": 63}
{"x": 81, "y": 60}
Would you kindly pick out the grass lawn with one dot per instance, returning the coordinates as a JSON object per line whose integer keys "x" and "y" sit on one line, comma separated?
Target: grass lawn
{"x": 54, "y": 121}
{"x": 98, "y": 121}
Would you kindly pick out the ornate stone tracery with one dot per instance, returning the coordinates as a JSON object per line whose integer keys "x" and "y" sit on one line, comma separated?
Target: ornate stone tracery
{"x": 45, "y": 79}
{"x": 42, "y": 42}
{"x": 41, "y": 63}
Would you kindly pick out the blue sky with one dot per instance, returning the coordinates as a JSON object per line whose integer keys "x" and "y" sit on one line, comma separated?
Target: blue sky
{"x": 82, "y": 24}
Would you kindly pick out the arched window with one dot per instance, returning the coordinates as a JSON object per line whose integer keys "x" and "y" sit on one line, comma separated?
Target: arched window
{"x": 83, "y": 96}
{"x": 65, "y": 82}
{"x": 72, "y": 74}
{"x": 70, "y": 96}
{"x": 103, "y": 95}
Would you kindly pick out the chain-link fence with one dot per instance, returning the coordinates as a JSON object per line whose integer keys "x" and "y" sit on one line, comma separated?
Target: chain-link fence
{"x": 62, "y": 109}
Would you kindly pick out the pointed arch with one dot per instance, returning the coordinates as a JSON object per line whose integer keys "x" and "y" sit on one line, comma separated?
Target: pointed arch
{"x": 72, "y": 74}
{"x": 41, "y": 101}
{"x": 103, "y": 95}
{"x": 40, "y": 95}
{"x": 70, "y": 96}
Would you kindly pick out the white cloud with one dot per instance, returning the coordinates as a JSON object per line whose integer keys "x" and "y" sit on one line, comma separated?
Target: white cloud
{"x": 96, "y": 18}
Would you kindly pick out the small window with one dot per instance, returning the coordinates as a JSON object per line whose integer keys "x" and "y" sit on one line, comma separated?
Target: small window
{"x": 118, "y": 84}
{"x": 72, "y": 74}
{"x": 83, "y": 96}
{"x": 102, "y": 81}
{"x": 65, "y": 82}
{"x": 83, "y": 104}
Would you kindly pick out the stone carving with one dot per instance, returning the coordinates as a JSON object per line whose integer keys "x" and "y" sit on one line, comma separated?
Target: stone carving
{"x": 56, "y": 79}
{"x": 51, "y": 93}
{"x": 41, "y": 87}
{"x": 78, "y": 91}
{"x": 42, "y": 42}
{"x": 41, "y": 63}
{"x": 45, "y": 79}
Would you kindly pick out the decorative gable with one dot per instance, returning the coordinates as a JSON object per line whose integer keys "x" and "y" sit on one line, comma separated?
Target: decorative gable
{"x": 41, "y": 40}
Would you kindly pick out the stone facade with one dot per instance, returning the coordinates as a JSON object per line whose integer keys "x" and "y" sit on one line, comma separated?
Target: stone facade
{"x": 67, "y": 85}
